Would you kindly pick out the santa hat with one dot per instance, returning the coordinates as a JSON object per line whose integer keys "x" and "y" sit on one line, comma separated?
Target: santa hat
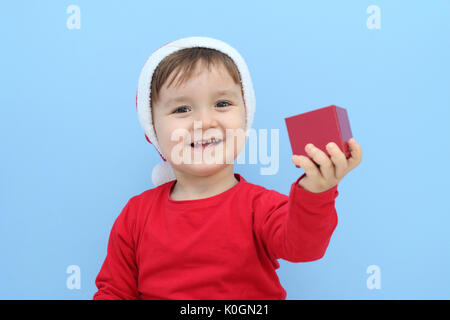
{"x": 163, "y": 172}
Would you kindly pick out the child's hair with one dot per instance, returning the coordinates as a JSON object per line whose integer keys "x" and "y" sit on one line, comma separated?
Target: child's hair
{"x": 184, "y": 61}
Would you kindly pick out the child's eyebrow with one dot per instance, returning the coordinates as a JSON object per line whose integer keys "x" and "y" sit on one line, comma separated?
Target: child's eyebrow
{"x": 216, "y": 94}
{"x": 227, "y": 92}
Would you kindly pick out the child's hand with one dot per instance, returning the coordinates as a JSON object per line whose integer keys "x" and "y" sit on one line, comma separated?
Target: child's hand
{"x": 331, "y": 170}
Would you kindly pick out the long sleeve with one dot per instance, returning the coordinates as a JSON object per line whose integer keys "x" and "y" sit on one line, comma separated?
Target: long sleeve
{"x": 117, "y": 279}
{"x": 300, "y": 230}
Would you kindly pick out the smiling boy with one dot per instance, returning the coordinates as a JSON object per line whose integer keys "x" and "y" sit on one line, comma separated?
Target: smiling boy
{"x": 213, "y": 100}
{"x": 204, "y": 232}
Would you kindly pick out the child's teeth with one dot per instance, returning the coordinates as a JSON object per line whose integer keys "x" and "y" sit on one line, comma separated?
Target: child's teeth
{"x": 199, "y": 143}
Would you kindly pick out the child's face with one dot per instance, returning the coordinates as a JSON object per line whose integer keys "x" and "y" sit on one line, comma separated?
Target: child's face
{"x": 200, "y": 114}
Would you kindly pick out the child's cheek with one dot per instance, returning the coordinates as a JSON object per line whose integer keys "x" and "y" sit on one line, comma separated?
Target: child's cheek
{"x": 234, "y": 144}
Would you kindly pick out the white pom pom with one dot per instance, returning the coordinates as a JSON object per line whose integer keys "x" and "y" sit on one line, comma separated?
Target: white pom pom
{"x": 162, "y": 173}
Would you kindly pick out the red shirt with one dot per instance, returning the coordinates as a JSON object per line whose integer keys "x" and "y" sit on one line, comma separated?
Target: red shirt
{"x": 218, "y": 248}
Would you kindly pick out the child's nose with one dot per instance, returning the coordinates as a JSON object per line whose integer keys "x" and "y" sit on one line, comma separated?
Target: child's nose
{"x": 207, "y": 118}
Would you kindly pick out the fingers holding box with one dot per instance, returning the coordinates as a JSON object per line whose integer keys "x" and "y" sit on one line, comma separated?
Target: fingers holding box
{"x": 356, "y": 152}
{"x": 321, "y": 158}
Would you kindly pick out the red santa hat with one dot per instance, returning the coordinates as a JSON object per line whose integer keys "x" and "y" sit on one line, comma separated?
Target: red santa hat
{"x": 163, "y": 172}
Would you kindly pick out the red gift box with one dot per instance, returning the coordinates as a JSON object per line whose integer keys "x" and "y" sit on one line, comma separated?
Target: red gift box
{"x": 319, "y": 127}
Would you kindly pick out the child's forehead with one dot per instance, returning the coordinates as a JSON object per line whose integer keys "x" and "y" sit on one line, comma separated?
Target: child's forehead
{"x": 184, "y": 81}
{"x": 215, "y": 70}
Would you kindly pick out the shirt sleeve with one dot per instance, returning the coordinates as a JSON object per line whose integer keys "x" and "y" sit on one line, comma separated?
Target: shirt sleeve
{"x": 300, "y": 230}
{"x": 117, "y": 279}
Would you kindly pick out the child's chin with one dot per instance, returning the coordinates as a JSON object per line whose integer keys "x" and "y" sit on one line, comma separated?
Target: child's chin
{"x": 203, "y": 169}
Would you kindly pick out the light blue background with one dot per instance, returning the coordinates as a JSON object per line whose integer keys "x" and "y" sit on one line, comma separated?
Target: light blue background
{"x": 72, "y": 151}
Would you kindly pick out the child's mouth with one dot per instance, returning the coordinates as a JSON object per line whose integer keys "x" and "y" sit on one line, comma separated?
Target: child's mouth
{"x": 205, "y": 144}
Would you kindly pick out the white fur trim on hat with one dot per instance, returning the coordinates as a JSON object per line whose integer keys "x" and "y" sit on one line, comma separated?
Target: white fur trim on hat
{"x": 144, "y": 87}
{"x": 162, "y": 173}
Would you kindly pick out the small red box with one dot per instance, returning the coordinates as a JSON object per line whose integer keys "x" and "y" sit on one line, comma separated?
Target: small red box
{"x": 319, "y": 127}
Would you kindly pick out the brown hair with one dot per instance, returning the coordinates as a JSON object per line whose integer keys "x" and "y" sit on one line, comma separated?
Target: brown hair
{"x": 184, "y": 61}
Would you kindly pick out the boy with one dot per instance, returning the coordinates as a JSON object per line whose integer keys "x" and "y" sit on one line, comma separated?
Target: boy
{"x": 205, "y": 232}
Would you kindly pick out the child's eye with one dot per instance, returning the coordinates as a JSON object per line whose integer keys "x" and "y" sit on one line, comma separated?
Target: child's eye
{"x": 184, "y": 108}
{"x": 224, "y": 102}
{"x": 180, "y": 108}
